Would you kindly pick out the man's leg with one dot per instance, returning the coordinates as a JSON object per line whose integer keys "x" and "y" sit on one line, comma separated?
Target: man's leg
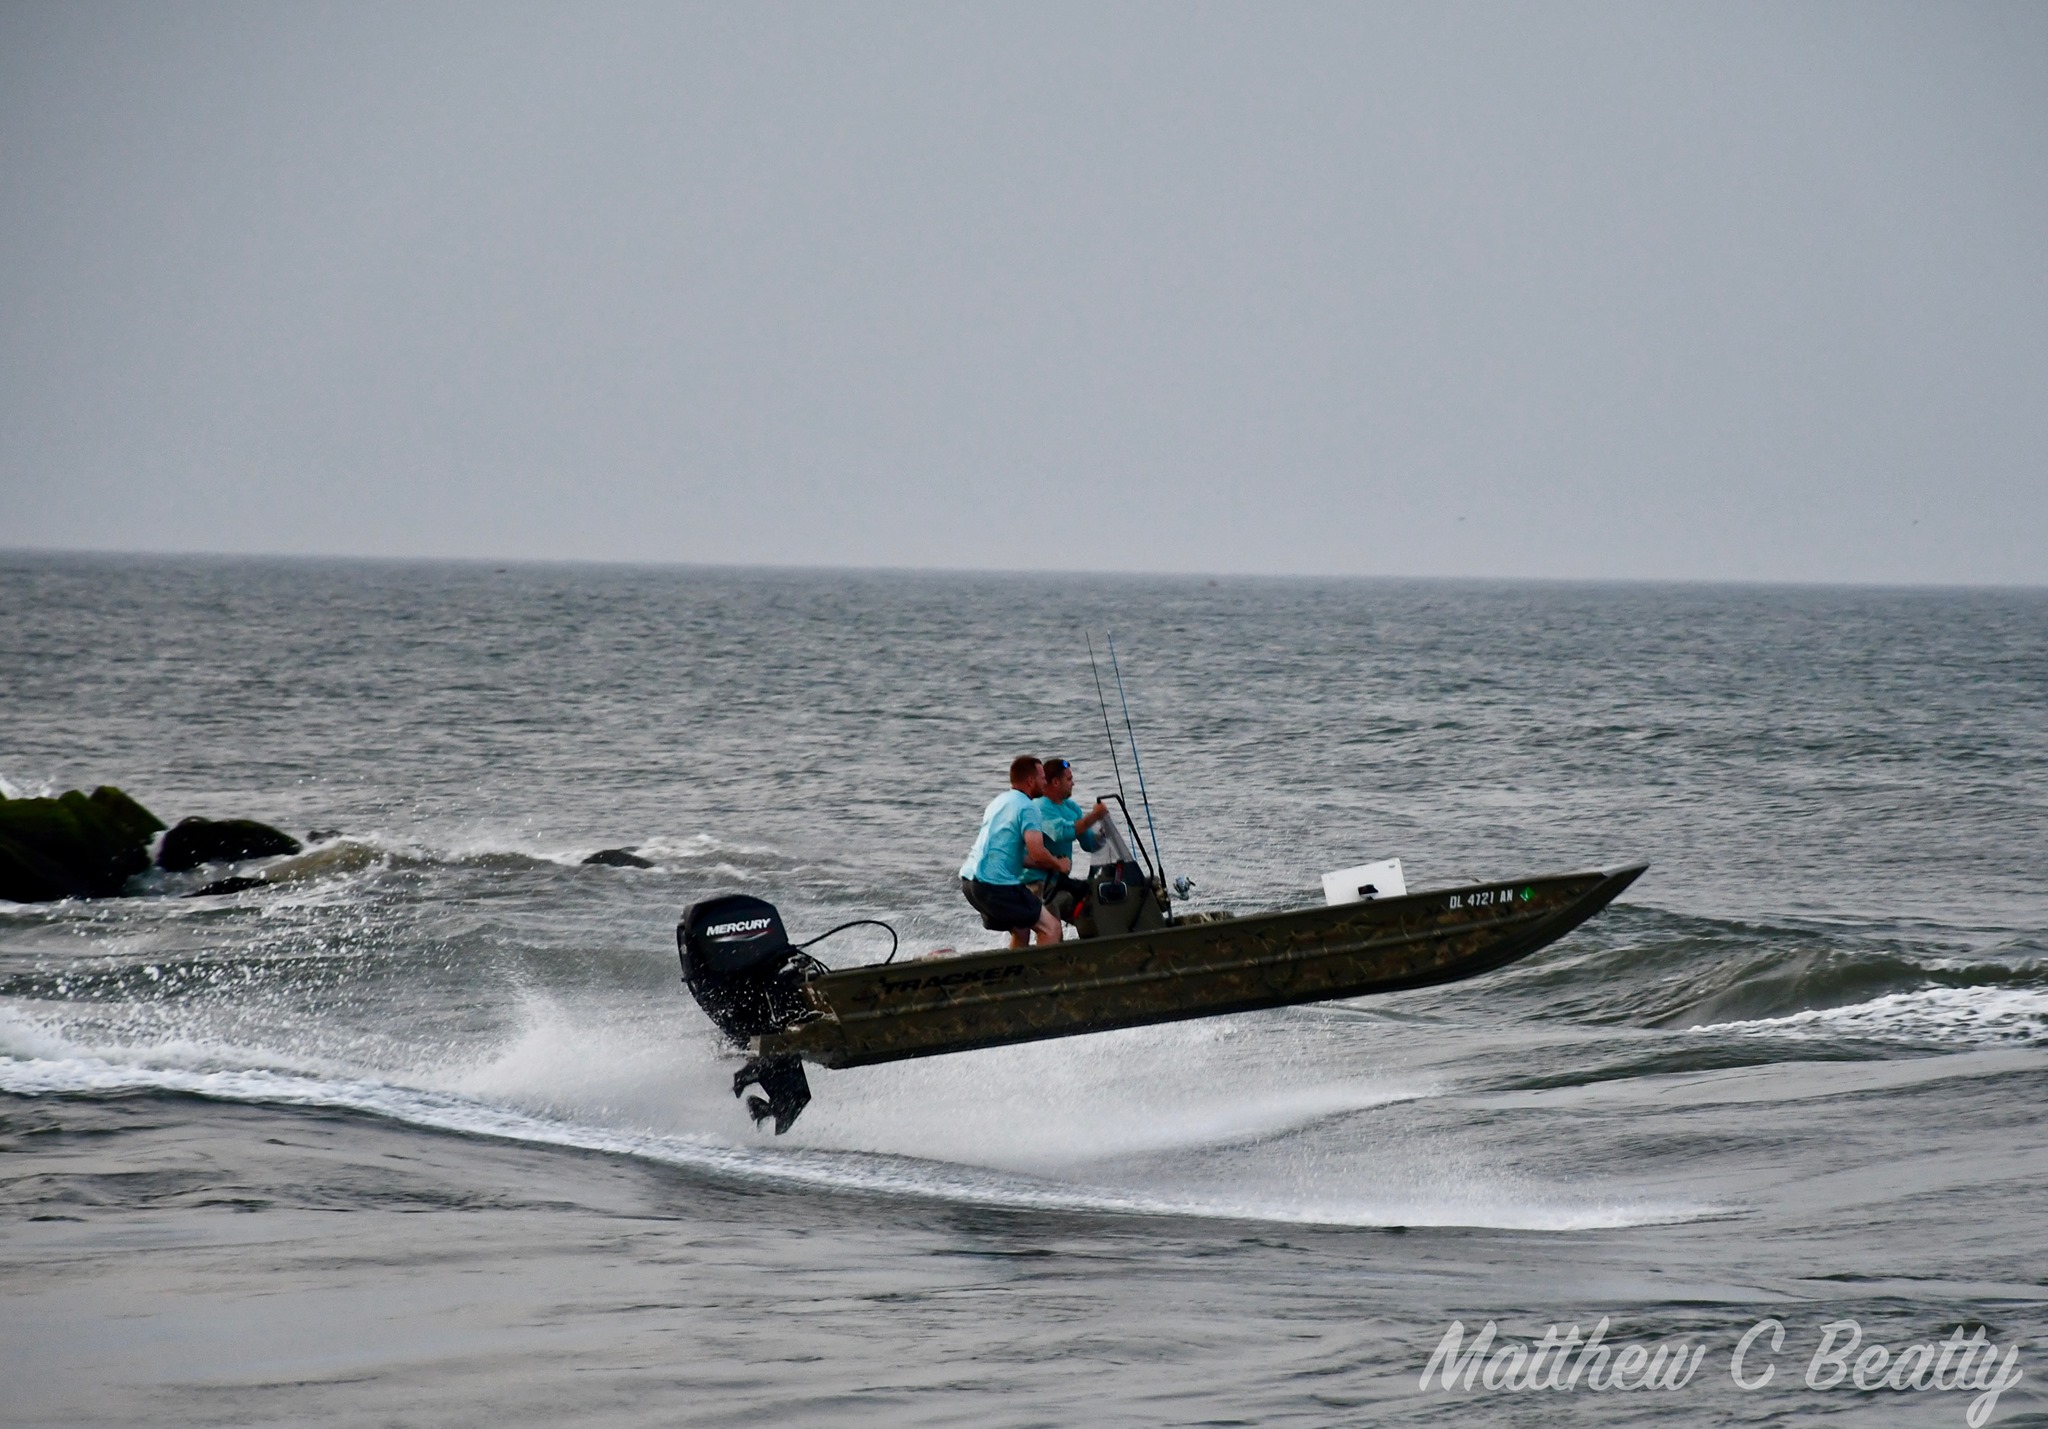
{"x": 1046, "y": 931}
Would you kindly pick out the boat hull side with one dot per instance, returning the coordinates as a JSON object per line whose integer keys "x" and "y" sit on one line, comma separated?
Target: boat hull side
{"x": 925, "y": 1008}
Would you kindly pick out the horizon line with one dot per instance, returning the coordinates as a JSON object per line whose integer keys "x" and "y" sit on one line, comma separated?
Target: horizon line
{"x": 791, "y": 567}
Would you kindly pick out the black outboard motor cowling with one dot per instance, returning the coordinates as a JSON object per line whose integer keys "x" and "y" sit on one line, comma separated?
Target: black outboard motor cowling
{"x": 736, "y": 960}
{"x": 739, "y": 965}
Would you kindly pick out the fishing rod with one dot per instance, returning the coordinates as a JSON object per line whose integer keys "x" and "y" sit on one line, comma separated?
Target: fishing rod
{"x": 1136, "y": 763}
{"x": 1104, "y": 702}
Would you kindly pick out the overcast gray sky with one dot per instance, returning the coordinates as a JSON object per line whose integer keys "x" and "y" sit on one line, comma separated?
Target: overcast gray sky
{"x": 1716, "y": 291}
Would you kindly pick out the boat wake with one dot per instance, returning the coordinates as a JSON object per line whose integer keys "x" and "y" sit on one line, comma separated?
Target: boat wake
{"x": 37, "y": 1061}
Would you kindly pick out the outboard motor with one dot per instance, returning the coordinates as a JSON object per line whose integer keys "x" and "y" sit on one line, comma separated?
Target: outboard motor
{"x": 736, "y": 963}
{"x": 739, "y": 965}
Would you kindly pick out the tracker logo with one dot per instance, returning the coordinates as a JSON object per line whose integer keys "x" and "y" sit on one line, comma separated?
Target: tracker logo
{"x": 745, "y": 928}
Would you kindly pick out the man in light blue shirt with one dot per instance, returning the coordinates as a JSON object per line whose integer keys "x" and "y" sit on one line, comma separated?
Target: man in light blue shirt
{"x": 1012, "y": 838}
{"x": 1063, "y": 823}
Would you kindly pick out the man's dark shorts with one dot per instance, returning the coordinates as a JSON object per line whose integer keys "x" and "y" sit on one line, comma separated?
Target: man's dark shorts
{"x": 1062, "y": 894}
{"x": 1004, "y": 907}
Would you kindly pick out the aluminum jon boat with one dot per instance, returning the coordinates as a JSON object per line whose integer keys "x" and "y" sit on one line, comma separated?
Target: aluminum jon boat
{"x": 1141, "y": 965}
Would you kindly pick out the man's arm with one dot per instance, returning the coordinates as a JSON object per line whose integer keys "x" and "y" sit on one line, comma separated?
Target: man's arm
{"x": 1052, "y": 821}
{"x": 1087, "y": 821}
{"x": 1037, "y": 855}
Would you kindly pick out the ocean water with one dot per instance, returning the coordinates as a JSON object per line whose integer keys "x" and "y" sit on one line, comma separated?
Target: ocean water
{"x": 428, "y": 1132}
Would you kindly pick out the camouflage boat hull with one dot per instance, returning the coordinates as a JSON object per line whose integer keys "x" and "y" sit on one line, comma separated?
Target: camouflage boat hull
{"x": 887, "y": 1012}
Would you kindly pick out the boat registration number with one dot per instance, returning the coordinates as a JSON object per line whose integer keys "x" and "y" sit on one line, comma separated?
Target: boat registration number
{"x": 1487, "y": 897}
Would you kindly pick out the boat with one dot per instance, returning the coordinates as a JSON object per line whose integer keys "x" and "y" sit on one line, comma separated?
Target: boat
{"x": 1136, "y": 963}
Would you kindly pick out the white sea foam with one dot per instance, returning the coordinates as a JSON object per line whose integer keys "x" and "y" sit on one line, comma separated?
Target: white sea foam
{"x": 28, "y": 1037}
{"x": 699, "y": 846}
{"x": 1969, "y": 1016}
{"x": 482, "y": 1099}
{"x": 482, "y": 844}
{"x": 831, "y": 1170}
{"x": 334, "y": 858}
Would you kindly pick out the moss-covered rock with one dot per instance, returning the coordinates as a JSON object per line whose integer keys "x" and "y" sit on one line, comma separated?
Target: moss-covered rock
{"x": 194, "y": 841}
{"x": 74, "y": 846}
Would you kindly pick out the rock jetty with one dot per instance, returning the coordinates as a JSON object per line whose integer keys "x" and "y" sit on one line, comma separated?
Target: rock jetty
{"x": 194, "y": 841}
{"x": 73, "y": 846}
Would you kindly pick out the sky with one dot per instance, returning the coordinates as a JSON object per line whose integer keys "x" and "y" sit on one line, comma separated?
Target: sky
{"x": 1605, "y": 291}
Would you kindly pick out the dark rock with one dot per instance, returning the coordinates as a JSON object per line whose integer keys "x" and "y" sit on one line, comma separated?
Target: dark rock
{"x": 317, "y": 836}
{"x": 237, "y": 884}
{"x": 194, "y": 841}
{"x": 73, "y": 846}
{"x": 619, "y": 858}
{"x": 27, "y": 876}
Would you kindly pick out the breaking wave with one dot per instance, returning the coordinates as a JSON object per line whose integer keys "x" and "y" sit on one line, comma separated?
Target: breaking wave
{"x": 1943, "y": 1016}
{"x": 1643, "y": 967}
